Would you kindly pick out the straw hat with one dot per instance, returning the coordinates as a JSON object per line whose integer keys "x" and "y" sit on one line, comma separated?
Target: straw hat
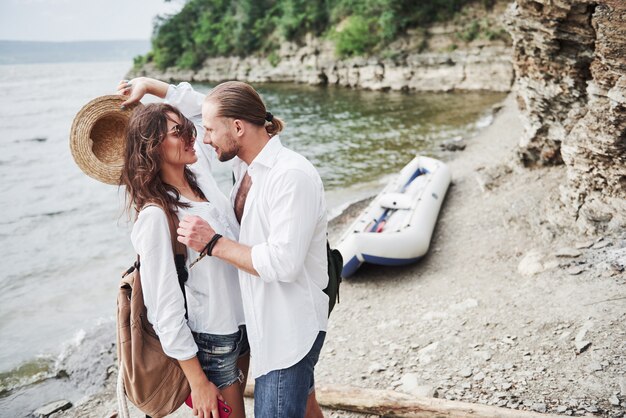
{"x": 98, "y": 137}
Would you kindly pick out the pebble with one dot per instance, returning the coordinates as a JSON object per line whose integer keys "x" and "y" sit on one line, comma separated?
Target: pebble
{"x": 584, "y": 244}
{"x": 601, "y": 244}
{"x": 568, "y": 252}
{"x": 376, "y": 367}
{"x": 478, "y": 377}
{"x": 575, "y": 270}
{"x": 531, "y": 264}
{"x": 454, "y": 144}
{"x": 51, "y": 408}
{"x": 561, "y": 408}
{"x": 465, "y": 372}
{"x": 595, "y": 366}
{"x": 512, "y": 405}
{"x": 613, "y": 400}
{"x": 484, "y": 355}
{"x": 582, "y": 346}
{"x": 509, "y": 340}
{"x": 539, "y": 407}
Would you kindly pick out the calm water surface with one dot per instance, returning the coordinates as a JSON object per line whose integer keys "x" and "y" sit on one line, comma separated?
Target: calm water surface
{"x": 64, "y": 238}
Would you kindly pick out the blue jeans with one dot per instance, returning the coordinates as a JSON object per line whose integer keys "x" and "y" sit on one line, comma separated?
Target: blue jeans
{"x": 218, "y": 356}
{"x": 283, "y": 393}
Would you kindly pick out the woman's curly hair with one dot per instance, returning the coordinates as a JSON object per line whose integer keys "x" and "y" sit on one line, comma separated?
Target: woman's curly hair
{"x": 142, "y": 159}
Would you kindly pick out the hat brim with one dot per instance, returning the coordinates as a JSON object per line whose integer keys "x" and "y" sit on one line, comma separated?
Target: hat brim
{"x": 98, "y": 137}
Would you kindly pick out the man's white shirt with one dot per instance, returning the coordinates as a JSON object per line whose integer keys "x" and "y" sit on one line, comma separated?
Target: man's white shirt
{"x": 284, "y": 221}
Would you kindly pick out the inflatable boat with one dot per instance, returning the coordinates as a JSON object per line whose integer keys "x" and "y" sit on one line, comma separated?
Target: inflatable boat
{"x": 395, "y": 229}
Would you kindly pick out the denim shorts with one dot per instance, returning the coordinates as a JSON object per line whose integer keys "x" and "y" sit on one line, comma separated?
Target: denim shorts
{"x": 218, "y": 356}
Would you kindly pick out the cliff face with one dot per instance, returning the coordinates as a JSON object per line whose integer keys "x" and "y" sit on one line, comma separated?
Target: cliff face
{"x": 482, "y": 67}
{"x": 570, "y": 63}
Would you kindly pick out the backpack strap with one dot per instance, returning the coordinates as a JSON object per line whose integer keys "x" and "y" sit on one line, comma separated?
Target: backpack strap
{"x": 180, "y": 256}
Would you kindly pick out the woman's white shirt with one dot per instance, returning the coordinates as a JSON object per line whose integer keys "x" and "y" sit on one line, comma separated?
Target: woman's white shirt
{"x": 212, "y": 289}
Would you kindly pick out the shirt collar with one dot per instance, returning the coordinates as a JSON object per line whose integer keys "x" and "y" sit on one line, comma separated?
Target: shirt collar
{"x": 269, "y": 153}
{"x": 267, "y": 157}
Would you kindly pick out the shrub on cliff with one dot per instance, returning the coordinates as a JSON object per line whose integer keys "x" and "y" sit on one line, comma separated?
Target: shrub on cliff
{"x": 208, "y": 28}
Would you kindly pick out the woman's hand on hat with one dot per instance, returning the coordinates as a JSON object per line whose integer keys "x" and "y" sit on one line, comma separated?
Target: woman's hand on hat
{"x": 135, "y": 89}
{"x": 138, "y": 87}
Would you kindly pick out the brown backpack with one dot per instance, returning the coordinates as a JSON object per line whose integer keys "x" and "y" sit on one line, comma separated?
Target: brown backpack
{"x": 152, "y": 381}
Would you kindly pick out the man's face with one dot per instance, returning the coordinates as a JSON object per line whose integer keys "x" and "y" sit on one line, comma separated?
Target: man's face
{"x": 219, "y": 132}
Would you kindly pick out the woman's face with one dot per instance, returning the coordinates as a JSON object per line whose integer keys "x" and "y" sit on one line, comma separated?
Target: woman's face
{"x": 176, "y": 149}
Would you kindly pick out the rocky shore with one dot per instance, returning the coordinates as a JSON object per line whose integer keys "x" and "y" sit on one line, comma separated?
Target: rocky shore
{"x": 485, "y": 67}
{"x": 438, "y": 58}
{"x": 509, "y": 308}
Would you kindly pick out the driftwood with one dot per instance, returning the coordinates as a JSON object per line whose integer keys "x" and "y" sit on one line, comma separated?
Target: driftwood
{"x": 395, "y": 404}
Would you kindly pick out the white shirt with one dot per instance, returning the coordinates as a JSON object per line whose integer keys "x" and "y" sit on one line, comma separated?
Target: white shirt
{"x": 284, "y": 221}
{"x": 212, "y": 289}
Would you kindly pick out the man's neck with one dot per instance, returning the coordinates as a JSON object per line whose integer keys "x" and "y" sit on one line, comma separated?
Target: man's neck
{"x": 253, "y": 146}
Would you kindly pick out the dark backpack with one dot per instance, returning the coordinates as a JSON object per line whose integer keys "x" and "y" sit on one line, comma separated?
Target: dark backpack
{"x": 335, "y": 265}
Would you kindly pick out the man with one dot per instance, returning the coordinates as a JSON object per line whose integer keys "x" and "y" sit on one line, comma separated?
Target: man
{"x": 278, "y": 198}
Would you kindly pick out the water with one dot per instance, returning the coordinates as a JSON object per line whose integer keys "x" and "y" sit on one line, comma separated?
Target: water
{"x": 64, "y": 237}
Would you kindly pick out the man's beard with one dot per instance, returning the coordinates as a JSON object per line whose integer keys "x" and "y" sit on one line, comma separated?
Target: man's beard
{"x": 231, "y": 152}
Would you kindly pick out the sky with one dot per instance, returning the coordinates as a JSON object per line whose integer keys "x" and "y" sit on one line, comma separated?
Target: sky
{"x": 81, "y": 20}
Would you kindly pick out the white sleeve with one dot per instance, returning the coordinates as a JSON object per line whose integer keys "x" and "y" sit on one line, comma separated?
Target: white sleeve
{"x": 161, "y": 290}
{"x": 185, "y": 99}
{"x": 189, "y": 102}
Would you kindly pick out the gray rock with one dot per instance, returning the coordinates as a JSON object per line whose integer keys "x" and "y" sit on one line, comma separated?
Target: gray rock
{"x": 483, "y": 355}
{"x": 613, "y": 400}
{"x": 376, "y": 368}
{"x": 467, "y": 372}
{"x": 582, "y": 346}
{"x": 453, "y": 144}
{"x": 539, "y": 407}
{"x": 531, "y": 264}
{"x": 592, "y": 408}
{"x": 410, "y": 383}
{"x": 601, "y": 244}
{"x": 575, "y": 270}
{"x": 561, "y": 408}
{"x": 512, "y": 405}
{"x": 583, "y": 331}
{"x": 584, "y": 244}
{"x": 568, "y": 252}
{"x": 51, "y": 408}
{"x": 595, "y": 366}
{"x": 478, "y": 377}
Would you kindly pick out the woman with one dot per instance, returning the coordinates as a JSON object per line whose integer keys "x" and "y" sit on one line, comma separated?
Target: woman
{"x": 156, "y": 173}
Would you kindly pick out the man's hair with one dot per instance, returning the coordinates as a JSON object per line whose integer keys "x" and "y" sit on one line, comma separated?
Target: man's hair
{"x": 238, "y": 100}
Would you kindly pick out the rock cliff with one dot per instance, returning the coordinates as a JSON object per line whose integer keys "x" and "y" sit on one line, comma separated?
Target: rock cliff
{"x": 570, "y": 64}
{"x": 481, "y": 67}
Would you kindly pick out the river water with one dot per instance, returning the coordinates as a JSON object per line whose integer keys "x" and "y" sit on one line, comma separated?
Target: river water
{"x": 64, "y": 237}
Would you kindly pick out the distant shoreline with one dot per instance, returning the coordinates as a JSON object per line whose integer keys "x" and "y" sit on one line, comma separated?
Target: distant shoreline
{"x": 40, "y": 52}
